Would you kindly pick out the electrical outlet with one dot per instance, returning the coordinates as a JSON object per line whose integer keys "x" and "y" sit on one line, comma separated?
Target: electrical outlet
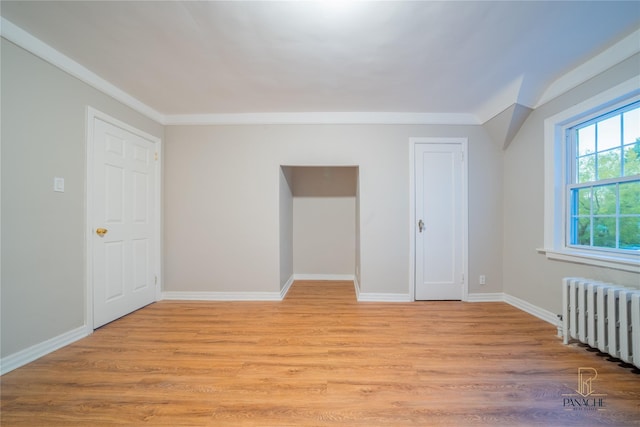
{"x": 58, "y": 184}
{"x": 483, "y": 279}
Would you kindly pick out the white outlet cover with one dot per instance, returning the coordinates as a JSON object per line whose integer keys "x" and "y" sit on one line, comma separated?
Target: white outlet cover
{"x": 58, "y": 184}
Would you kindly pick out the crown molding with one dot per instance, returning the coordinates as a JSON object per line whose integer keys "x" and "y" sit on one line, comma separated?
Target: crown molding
{"x": 23, "y": 39}
{"x": 311, "y": 118}
{"x": 612, "y": 56}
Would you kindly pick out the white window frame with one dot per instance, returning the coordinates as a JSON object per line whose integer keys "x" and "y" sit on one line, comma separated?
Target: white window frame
{"x": 556, "y": 163}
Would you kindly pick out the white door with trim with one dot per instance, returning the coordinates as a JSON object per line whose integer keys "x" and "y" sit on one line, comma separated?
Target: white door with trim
{"x": 439, "y": 235}
{"x": 124, "y": 222}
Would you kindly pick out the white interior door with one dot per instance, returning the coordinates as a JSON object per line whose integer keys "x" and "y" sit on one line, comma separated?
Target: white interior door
{"x": 440, "y": 202}
{"x": 124, "y": 222}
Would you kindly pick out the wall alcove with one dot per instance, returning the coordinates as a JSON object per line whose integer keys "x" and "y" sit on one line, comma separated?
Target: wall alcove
{"x": 319, "y": 226}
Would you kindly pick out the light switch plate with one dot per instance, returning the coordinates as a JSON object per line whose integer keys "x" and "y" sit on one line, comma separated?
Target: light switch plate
{"x": 58, "y": 184}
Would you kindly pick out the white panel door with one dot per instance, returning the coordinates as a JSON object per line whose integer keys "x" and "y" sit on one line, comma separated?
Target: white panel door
{"x": 439, "y": 241}
{"x": 124, "y": 240}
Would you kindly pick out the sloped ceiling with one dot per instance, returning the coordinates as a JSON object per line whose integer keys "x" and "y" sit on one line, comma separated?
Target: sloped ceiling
{"x": 472, "y": 59}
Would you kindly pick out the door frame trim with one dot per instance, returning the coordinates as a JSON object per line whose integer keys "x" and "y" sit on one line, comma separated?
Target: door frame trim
{"x": 92, "y": 115}
{"x": 413, "y": 142}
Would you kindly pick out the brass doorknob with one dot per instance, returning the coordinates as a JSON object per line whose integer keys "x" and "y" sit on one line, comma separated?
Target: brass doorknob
{"x": 101, "y": 232}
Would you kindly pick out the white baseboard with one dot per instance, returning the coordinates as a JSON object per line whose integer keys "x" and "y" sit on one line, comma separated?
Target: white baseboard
{"x": 486, "y": 297}
{"x": 21, "y": 358}
{"x": 382, "y": 297}
{"x": 534, "y": 310}
{"x": 286, "y": 287}
{"x": 250, "y": 296}
{"x": 221, "y": 296}
{"x": 340, "y": 277}
{"x": 518, "y": 303}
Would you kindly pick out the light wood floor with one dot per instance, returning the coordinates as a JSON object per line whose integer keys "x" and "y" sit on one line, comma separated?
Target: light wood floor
{"x": 319, "y": 358}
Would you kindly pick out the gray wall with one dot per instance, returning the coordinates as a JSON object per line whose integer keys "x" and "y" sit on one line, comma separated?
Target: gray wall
{"x": 286, "y": 225}
{"x": 324, "y": 235}
{"x": 43, "y": 238}
{"x": 527, "y": 274}
{"x": 222, "y": 186}
{"x": 324, "y": 220}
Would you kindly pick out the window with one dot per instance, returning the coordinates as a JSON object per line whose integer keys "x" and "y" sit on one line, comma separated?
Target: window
{"x": 603, "y": 188}
{"x": 592, "y": 181}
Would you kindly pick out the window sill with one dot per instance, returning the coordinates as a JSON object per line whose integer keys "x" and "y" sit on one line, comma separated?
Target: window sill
{"x": 624, "y": 263}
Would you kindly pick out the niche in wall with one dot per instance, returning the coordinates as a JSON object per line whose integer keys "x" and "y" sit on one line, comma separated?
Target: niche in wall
{"x": 319, "y": 222}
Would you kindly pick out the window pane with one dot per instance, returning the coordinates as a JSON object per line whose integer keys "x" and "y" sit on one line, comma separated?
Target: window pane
{"x": 631, "y": 121}
{"x": 587, "y": 140}
{"x": 582, "y": 231}
{"x": 608, "y": 133}
{"x": 632, "y": 159}
{"x": 630, "y": 233}
{"x": 604, "y": 200}
{"x": 583, "y": 200}
{"x": 604, "y": 232}
{"x": 630, "y": 198}
{"x": 587, "y": 168}
{"x": 609, "y": 165}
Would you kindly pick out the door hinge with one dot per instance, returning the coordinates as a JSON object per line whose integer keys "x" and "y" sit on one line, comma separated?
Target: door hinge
{"x": 156, "y": 282}
{"x": 462, "y": 275}
{"x": 156, "y": 156}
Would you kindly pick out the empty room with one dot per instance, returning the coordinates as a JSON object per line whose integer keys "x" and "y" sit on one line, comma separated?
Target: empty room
{"x": 320, "y": 213}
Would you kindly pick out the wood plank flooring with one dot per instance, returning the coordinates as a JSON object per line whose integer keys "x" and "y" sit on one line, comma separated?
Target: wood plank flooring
{"x": 320, "y": 358}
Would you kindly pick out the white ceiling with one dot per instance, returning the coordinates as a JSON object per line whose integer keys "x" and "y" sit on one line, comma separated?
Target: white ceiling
{"x": 436, "y": 57}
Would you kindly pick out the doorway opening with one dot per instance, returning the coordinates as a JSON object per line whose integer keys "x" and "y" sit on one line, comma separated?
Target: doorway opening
{"x": 319, "y": 224}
